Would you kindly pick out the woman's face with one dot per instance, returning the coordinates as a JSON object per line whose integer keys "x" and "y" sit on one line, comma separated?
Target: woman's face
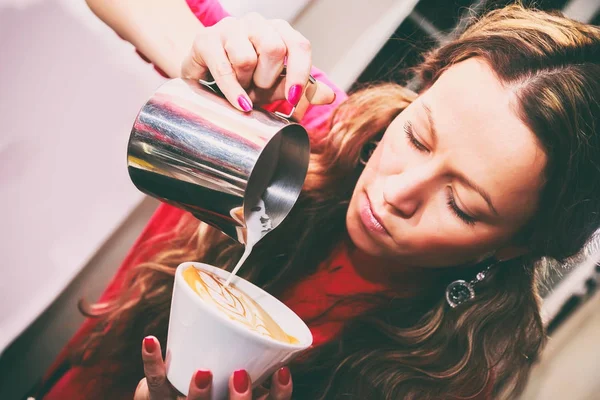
{"x": 455, "y": 176}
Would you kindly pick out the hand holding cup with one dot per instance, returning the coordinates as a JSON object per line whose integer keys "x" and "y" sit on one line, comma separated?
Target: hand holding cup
{"x": 155, "y": 385}
{"x": 219, "y": 328}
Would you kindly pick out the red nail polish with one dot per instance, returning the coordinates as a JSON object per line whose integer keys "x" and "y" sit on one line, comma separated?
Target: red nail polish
{"x": 284, "y": 376}
{"x": 244, "y": 103}
{"x": 240, "y": 381}
{"x": 202, "y": 379}
{"x": 149, "y": 344}
{"x": 294, "y": 95}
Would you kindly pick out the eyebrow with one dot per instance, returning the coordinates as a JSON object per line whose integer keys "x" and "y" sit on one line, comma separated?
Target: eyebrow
{"x": 479, "y": 190}
{"x": 485, "y": 195}
{"x": 434, "y": 135}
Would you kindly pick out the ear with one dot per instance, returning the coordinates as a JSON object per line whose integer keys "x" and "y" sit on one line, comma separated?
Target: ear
{"x": 510, "y": 252}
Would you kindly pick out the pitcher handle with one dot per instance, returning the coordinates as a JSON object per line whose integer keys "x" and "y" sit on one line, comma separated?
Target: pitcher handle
{"x": 212, "y": 85}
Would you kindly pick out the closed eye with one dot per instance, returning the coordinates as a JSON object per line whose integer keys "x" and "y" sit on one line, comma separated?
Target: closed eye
{"x": 463, "y": 216}
{"x": 408, "y": 129}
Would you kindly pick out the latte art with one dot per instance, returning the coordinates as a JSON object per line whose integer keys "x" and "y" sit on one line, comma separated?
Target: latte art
{"x": 234, "y": 304}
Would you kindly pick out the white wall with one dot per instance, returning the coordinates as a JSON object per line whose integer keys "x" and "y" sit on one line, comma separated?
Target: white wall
{"x": 287, "y": 9}
{"x": 70, "y": 90}
{"x": 344, "y": 42}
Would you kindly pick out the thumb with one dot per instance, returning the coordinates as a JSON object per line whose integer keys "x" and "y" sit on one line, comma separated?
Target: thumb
{"x": 319, "y": 93}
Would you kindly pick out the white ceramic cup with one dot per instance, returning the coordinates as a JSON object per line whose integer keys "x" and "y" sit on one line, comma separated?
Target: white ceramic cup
{"x": 200, "y": 337}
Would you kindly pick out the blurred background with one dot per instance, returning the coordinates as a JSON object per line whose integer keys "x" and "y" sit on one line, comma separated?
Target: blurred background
{"x": 69, "y": 92}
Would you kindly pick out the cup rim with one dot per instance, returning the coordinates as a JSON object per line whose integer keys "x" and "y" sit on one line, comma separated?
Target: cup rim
{"x": 261, "y": 338}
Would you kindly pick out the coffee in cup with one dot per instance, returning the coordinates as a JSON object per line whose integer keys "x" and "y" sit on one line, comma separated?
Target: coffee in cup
{"x": 234, "y": 304}
{"x": 224, "y": 328}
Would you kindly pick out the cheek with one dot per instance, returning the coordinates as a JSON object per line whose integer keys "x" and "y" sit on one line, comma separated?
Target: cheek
{"x": 443, "y": 241}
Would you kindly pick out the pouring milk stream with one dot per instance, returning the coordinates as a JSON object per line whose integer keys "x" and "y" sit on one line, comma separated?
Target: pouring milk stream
{"x": 258, "y": 224}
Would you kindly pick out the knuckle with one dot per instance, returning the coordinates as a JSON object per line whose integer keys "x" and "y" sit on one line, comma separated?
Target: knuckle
{"x": 222, "y": 68}
{"x": 304, "y": 44}
{"x": 245, "y": 64}
{"x": 276, "y": 50}
{"x": 280, "y": 23}
{"x": 155, "y": 381}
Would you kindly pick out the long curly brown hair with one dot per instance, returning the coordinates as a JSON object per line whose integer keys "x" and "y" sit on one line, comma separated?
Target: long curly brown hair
{"x": 417, "y": 348}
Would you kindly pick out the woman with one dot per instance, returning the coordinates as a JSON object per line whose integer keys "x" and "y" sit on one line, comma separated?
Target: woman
{"x": 493, "y": 165}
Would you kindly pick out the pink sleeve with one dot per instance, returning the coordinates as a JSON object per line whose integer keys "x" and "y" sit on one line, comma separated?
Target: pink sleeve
{"x": 209, "y": 12}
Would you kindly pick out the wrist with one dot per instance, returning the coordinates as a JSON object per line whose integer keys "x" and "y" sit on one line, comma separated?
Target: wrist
{"x": 177, "y": 45}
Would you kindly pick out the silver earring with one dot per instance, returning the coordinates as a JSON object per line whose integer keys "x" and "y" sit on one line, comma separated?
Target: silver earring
{"x": 460, "y": 291}
{"x": 367, "y": 151}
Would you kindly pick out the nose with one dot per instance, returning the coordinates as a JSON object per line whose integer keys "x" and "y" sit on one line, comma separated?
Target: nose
{"x": 406, "y": 192}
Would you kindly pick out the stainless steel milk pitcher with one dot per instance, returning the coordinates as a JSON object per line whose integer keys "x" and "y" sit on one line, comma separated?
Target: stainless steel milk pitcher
{"x": 192, "y": 149}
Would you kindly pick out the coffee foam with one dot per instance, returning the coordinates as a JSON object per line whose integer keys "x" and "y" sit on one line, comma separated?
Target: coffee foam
{"x": 234, "y": 304}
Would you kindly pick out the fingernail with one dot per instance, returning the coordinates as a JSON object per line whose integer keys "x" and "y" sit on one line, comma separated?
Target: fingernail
{"x": 240, "y": 381}
{"x": 149, "y": 344}
{"x": 244, "y": 103}
{"x": 294, "y": 95}
{"x": 284, "y": 376}
{"x": 203, "y": 379}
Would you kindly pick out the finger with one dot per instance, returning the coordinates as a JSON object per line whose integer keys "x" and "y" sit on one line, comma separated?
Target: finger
{"x": 281, "y": 385}
{"x": 299, "y": 60}
{"x": 141, "y": 391}
{"x": 200, "y": 386}
{"x": 242, "y": 56}
{"x": 240, "y": 387}
{"x": 193, "y": 66}
{"x": 322, "y": 94}
{"x": 208, "y": 52}
{"x": 317, "y": 93}
{"x": 154, "y": 370}
{"x": 270, "y": 49}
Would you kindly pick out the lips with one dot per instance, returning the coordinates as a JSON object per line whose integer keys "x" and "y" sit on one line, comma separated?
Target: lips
{"x": 370, "y": 219}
